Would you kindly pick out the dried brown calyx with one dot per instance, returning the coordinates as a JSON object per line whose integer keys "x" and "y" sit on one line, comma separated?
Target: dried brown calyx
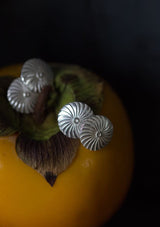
{"x": 40, "y": 144}
{"x": 48, "y": 157}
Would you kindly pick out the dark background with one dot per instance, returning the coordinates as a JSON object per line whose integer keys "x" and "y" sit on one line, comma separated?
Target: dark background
{"x": 118, "y": 39}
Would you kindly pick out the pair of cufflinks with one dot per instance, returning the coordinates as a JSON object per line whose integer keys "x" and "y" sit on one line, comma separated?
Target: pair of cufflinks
{"x": 75, "y": 120}
{"x": 24, "y": 91}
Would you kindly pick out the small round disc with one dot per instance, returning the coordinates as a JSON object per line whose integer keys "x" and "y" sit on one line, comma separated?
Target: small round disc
{"x": 20, "y": 97}
{"x": 96, "y": 132}
{"x": 71, "y": 116}
{"x": 36, "y": 74}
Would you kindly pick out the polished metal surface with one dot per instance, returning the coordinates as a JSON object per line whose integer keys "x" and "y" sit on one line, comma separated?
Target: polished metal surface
{"x": 20, "y": 97}
{"x": 36, "y": 74}
{"x": 71, "y": 116}
{"x": 96, "y": 132}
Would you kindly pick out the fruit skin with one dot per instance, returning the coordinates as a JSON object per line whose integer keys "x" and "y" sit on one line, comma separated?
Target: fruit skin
{"x": 87, "y": 194}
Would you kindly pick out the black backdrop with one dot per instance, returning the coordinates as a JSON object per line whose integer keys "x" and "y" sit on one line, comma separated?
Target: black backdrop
{"x": 118, "y": 39}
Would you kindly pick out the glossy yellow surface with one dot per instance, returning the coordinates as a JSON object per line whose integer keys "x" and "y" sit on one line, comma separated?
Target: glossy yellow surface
{"x": 86, "y": 195}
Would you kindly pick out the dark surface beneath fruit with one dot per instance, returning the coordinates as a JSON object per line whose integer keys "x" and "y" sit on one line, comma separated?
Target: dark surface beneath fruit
{"x": 119, "y": 40}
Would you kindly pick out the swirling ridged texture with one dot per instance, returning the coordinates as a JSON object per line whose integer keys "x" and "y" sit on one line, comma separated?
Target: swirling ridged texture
{"x": 36, "y": 74}
{"x": 20, "y": 97}
{"x": 96, "y": 133}
{"x": 71, "y": 116}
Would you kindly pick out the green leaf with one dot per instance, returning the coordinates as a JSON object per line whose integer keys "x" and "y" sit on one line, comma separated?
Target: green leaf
{"x": 8, "y": 115}
{"x": 5, "y": 130}
{"x": 66, "y": 97}
{"x": 51, "y": 100}
{"x": 9, "y": 119}
{"x": 39, "y": 131}
{"x": 42, "y": 124}
{"x": 87, "y": 87}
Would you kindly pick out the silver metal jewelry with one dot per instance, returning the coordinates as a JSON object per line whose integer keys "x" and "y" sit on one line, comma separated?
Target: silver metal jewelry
{"x": 36, "y": 74}
{"x": 21, "y": 98}
{"x": 71, "y": 116}
{"x": 96, "y": 132}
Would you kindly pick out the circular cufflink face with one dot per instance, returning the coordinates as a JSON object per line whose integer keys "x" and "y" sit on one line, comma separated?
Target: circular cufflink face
{"x": 71, "y": 116}
{"x": 96, "y": 132}
{"x": 36, "y": 74}
{"x": 21, "y": 98}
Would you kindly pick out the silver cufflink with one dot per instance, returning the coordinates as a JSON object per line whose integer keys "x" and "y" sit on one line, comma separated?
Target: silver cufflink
{"x": 20, "y": 97}
{"x": 96, "y": 132}
{"x": 71, "y": 117}
{"x": 76, "y": 120}
{"x": 23, "y": 91}
{"x": 36, "y": 74}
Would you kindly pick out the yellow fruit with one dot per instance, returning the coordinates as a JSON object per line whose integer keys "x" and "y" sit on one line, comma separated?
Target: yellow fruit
{"x": 87, "y": 194}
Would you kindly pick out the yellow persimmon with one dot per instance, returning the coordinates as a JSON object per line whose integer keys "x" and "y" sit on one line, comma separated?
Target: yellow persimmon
{"x": 86, "y": 194}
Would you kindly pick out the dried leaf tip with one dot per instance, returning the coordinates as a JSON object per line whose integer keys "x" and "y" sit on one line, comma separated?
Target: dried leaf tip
{"x": 50, "y": 178}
